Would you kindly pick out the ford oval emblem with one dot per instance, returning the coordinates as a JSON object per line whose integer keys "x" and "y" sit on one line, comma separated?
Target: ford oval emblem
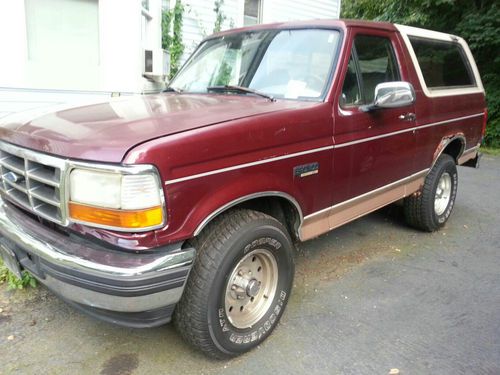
{"x": 12, "y": 177}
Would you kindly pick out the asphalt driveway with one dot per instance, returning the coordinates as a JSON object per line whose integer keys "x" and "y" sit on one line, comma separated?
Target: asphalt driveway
{"x": 371, "y": 296}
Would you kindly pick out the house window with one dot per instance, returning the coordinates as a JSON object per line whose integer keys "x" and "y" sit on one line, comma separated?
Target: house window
{"x": 252, "y": 12}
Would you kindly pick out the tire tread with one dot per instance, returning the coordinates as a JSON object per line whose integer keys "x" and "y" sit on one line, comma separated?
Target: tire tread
{"x": 190, "y": 314}
{"x": 418, "y": 208}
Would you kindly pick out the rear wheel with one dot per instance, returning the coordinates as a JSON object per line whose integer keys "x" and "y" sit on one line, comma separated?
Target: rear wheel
{"x": 430, "y": 208}
{"x": 239, "y": 285}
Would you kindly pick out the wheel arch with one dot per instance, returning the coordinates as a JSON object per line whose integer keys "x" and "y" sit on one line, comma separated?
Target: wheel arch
{"x": 453, "y": 145}
{"x": 273, "y": 203}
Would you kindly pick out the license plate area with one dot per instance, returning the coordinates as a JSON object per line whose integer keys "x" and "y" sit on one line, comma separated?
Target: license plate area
{"x": 10, "y": 260}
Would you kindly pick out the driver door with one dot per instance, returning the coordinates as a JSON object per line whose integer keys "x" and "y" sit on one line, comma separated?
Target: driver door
{"x": 375, "y": 149}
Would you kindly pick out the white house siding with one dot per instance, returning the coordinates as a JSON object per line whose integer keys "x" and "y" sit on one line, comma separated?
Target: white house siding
{"x": 286, "y": 10}
{"x": 199, "y": 20}
{"x": 73, "y": 51}
{"x": 199, "y": 15}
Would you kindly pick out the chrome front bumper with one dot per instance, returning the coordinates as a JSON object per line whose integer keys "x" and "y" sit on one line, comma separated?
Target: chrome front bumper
{"x": 137, "y": 289}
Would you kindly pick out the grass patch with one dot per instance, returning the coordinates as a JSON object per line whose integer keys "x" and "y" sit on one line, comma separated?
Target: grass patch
{"x": 13, "y": 282}
{"x": 490, "y": 151}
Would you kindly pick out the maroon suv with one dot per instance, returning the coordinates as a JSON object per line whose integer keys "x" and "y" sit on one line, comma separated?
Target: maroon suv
{"x": 187, "y": 204}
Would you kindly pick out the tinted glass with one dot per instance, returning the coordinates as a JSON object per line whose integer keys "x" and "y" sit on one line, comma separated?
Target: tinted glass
{"x": 377, "y": 63}
{"x": 443, "y": 64}
{"x": 351, "y": 93}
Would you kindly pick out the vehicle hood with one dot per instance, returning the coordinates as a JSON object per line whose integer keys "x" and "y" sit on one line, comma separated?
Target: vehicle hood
{"x": 107, "y": 131}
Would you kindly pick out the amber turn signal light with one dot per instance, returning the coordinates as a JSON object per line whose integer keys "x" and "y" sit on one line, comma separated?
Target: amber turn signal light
{"x": 123, "y": 219}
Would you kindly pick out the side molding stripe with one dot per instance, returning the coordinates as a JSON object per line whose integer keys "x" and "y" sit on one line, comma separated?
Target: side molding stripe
{"x": 251, "y": 164}
{"x": 306, "y": 152}
{"x": 332, "y": 217}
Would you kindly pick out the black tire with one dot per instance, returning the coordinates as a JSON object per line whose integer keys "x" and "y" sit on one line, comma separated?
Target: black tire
{"x": 419, "y": 208}
{"x": 201, "y": 316}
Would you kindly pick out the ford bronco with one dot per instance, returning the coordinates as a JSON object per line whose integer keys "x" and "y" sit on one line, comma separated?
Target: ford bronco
{"x": 187, "y": 204}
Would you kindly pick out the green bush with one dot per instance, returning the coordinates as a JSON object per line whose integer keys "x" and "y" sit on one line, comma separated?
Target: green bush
{"x": 481, "y": 29}
{"x": 13, "y": 282}
{"x": 171, "y": 24}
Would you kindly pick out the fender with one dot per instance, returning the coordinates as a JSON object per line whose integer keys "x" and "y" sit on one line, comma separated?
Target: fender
{"x": 445, "y": 141}
{"x": 246, "y": 198}
{"x": 238, "y": 190}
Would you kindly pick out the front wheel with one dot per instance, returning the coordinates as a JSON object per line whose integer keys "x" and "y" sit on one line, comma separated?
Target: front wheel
{"x": 430, "y": 208}
{"x": 239, "y": 285}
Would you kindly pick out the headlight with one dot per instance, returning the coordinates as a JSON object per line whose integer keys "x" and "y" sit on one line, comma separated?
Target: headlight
{"x": 115, "y": 200}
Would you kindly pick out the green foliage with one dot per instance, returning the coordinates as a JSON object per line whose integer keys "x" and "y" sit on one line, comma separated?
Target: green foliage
{"x": 171, "y": 24}
{"x": 166, "y": 23}
{"x": 491, "y": 151}
{"x": 492, "y": 86}
{"x": 220, "y": 17}
{"x": 224, "y": 75}
{"x": 177, "y": 47}
{"x": 481, "y": 28}
{"x": 12, "y": 280}
{"x": 477, "y": 21}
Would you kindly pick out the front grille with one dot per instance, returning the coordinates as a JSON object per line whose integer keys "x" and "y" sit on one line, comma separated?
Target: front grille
{"x": 34, "y": 181}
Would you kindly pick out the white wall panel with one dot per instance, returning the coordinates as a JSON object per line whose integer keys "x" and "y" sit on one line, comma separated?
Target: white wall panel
{"x": 199, "y": 18}
{"x": 286, "y": 10}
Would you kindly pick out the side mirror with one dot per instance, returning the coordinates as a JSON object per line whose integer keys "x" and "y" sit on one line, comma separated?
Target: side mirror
{"x": 391, "y": 95}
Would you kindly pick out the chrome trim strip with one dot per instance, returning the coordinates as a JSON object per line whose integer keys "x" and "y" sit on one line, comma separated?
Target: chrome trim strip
{"x": 407, "y": 130}
{"x": 344, "y": 212}
{"x": 375, "y": 191}
{"x": 66, "y": 166}
{"x": 113, "y": 303}
{"x": 341, "y": 145}
{"x": 246, "y": 165}
{"x": 31, "y": 156}
{"x": 233, "y": 203}
{"x": 45, "y": 244}
{"x": 450, "y": 120}
{"x": 36, "y": 156}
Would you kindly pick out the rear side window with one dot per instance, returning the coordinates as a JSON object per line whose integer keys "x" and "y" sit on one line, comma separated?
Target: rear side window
{"x": 443, "y": 64}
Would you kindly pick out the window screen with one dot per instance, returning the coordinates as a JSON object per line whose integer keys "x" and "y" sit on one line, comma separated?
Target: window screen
{"x": 443, "y": 63}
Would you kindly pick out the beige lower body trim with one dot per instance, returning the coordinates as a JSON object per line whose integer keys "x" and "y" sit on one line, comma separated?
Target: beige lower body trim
{"x": 342, "y": 213}
{"x": 468, "y": 155}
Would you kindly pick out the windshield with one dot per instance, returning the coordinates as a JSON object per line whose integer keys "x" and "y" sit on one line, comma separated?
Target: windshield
{"x": 290, "y": 64}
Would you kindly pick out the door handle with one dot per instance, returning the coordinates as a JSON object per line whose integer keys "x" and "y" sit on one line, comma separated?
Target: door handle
{"x": 407, "y": 117}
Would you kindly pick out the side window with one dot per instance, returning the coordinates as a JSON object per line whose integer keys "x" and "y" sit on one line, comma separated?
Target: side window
{"x": 443, "y": 64}
{"x": 351, "y": 93}
{"x": 374, "y": 62}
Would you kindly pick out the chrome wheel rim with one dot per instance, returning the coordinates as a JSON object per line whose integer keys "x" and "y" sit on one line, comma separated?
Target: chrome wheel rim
{"x": 251, "y": 288}
{"x": 443, "y": 194}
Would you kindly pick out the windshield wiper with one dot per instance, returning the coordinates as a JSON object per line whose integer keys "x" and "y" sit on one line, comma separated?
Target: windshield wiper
{"x": 173, "y": 89}
{"x": 240, "y": 89}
